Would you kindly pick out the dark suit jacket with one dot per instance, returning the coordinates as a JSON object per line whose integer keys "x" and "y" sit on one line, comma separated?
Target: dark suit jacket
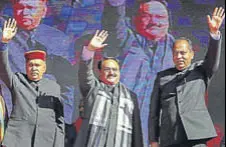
{"x": 180, "y": 96}
{"x": 90, "y": 87}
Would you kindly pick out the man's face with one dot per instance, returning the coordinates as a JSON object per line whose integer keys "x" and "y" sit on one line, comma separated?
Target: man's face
{"x": 152, "y": 20}
{"x": 182, "y": 54}
{"x": 35, "y": 69}
{"x": 110, "y": 72}
{"x": 29, "y": 13}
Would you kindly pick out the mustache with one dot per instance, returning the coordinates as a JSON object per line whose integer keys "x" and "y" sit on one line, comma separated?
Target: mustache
{"x": 34, "y": 71}
{"x": 180, "y": 61}
{"x": 112, "y": 75}
{"x": 27, "y": 17}
{"x": 160, "y": 25}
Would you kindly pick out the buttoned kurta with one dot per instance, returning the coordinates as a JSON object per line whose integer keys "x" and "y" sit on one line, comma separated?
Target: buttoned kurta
{"x": 37, "y": 115}
{"x": 60, "y": 56}
{"x": 180, "y": 96}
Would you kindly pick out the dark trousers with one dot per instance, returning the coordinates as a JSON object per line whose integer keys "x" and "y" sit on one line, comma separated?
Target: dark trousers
{"x": 191, "y": 143}
{"x": 70, "y": 135}
{"x": 223, "y": 142}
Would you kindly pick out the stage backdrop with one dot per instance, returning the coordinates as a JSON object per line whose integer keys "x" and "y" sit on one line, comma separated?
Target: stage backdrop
{"x": 68, "y": 25}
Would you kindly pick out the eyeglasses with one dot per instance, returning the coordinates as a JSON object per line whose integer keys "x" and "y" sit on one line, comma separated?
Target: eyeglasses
{"x": 107, "y": 69}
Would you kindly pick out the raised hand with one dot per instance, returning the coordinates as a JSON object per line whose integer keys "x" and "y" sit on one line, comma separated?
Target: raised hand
{"x": 9, "y": 30}
{"x": 215, "y": 22}
{"x": 154, "y": 144}
{"x": 97, "y": 42}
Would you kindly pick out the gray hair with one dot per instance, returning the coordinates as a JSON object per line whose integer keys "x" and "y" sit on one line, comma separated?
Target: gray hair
{"x": 186, "y": 39}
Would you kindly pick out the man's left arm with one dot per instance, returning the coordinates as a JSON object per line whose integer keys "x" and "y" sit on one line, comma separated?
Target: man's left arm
{"x": 137, "y": 136}
{"x": 212, "y": 59}
{"x": 59, "y": 106}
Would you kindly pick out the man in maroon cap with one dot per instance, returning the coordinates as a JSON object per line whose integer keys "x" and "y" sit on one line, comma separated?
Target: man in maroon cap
{"x": 37, "y": 118}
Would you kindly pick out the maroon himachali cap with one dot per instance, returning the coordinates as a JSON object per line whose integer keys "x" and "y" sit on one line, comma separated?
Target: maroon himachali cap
{"x": 35, "y": 54}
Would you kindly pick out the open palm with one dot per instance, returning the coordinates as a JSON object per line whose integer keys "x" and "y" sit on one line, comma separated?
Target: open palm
{"x": 97, "y": 42}
{"x": 216, "y": 20}
{"x": 9, "y": 30}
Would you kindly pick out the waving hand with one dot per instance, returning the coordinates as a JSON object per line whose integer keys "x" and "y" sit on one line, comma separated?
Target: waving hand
{"x": 215, "y": 22}
{"x": 9, "y": 30}
{"x": 97, "y": 42}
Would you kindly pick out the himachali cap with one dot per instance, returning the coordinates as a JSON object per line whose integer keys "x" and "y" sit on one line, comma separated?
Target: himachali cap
{"x": 35, "y": 54}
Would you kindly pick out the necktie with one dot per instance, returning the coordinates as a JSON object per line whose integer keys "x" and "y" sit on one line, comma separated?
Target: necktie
{"x": 31, "y": 42}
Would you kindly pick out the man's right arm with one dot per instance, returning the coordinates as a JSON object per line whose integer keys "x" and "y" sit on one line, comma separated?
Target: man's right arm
{"x": 5, "y": 71}
{"x": 86, "y": 75}
{"x": 154, "y": 115}
{"x": 9, "y": 31}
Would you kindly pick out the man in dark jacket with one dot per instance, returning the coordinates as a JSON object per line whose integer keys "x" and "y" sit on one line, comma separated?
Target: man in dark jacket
{"x": 37, "y": 115}
{"x": 179, "y": 94}
{"x": 111, "y": 114}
